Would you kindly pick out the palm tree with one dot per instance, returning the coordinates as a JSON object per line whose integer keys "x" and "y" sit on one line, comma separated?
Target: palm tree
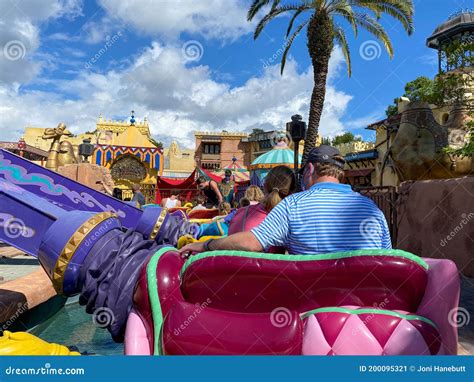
{"x": 323, "y": 30}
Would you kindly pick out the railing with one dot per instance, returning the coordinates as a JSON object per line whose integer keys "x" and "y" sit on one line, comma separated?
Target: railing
{"x": 210, "y": 156}
{"x": 385, "y": 197}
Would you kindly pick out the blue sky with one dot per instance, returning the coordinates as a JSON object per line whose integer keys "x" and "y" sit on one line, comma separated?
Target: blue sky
{"x": 78, "y": 59}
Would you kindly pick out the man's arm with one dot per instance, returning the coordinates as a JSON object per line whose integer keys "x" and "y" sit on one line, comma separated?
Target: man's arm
{"x": 215, "y": 187}
{"x": 241, "y": 241}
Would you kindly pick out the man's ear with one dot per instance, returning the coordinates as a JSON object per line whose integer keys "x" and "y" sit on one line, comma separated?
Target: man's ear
{"x": 311, "y": 169}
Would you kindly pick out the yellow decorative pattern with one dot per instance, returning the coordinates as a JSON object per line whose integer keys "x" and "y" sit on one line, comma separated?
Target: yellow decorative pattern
{"x": 71, "y": 247}
{"x": 158, "y": 224}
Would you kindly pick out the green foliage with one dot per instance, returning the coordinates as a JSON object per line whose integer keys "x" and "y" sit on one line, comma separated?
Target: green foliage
{"x": 156, "y": 143}
{"x": 347, "y": 137}
{"x": 257, "y": 131}
{"x": 326, "y": 141}
{"x": 421, "y": 89}
{"x": 392, "y": 110}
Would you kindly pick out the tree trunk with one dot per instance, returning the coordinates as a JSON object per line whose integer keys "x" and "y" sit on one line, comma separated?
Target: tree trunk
{"x": 320, "y": 44}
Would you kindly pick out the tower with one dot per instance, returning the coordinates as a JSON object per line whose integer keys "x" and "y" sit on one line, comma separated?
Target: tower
{"x": 454, "y": 40}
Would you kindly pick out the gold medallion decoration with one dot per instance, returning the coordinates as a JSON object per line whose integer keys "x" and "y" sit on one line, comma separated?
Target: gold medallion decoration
{"x": 158, "y": 224}
{"x": 73, "y": 244}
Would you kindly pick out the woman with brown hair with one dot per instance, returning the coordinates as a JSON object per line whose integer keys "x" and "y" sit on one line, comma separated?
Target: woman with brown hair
{"x": 279, "y": 183}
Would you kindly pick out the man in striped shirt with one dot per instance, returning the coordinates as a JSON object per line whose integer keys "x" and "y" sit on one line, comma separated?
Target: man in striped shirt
{"x": 327, "y": 217}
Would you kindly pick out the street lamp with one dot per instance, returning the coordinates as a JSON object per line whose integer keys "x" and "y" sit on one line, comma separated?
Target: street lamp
{"x": 86, "y": 149}
{"x": 297, "y": 130}
{"x": 21, "y": 145}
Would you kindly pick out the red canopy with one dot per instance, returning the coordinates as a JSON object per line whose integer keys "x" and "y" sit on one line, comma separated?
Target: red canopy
{"x": 187, "y": 187}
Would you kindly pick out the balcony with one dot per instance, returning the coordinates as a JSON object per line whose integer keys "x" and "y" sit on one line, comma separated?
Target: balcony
{"x": 210, "y": 157}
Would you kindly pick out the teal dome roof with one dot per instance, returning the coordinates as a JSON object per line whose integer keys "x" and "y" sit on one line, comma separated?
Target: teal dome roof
{"x": 277, "y": 156}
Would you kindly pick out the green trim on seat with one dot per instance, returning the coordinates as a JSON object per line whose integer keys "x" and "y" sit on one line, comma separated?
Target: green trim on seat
{"x": 326, "y": 256}
{"x": 156, "y": 311}
{"x": 369, "y": 311}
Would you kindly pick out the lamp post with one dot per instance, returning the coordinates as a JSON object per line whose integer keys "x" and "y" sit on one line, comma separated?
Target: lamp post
{"x": 21, "y": 145}
{"x": 297, "y": 130}
{"x": 86, "y": 149}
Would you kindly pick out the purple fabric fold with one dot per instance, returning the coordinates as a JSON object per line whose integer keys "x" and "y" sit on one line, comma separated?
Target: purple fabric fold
{"x": 110, "y": 272}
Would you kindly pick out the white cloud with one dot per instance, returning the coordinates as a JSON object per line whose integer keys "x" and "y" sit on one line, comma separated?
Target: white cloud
{"x": 222, "y": 19}
{"x": 19, "y": 35}
{"x": 176, "y": 98}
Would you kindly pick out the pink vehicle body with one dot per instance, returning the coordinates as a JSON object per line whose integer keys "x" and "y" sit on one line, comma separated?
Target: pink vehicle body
{"x": 370, "y": 302}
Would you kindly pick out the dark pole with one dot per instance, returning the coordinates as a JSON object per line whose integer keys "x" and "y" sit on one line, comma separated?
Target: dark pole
{"x": 296, "y": 150}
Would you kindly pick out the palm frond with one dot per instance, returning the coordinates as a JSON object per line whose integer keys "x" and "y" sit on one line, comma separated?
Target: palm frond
{"x": 401, "y": 10}
{"x": 296, "y": 14}
{"x": 287, "y": 49}
{"x": 257, "y": 5}
{"x": 372, "y": 26}
{"x": 275, "y": 12}
{"x": 342, "y": 8}
{"x": 340, "y": 37}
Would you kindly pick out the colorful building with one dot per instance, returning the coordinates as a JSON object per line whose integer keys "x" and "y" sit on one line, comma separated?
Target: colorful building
{"x": 130, "y": 152}
{"x": 215, "y": 150}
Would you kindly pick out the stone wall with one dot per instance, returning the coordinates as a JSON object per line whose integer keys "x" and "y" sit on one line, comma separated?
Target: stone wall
{"x": 90, "y": 175}
{"x": 436, "y": 219}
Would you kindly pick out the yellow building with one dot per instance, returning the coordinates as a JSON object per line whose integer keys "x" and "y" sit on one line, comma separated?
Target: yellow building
{"x": 125, "y": 147}
{"x": 130, "y": 152}
{"x": 178, "y": 163}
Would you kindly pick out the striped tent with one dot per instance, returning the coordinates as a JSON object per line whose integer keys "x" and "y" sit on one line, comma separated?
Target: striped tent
{"x": 279, "y": 155}
{"x": 241, "y": 174}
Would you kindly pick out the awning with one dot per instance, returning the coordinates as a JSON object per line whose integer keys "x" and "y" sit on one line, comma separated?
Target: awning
{"x": 358, "y": 172}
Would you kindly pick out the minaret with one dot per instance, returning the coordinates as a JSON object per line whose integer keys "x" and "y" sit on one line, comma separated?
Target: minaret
{"x": 132, "y": 118}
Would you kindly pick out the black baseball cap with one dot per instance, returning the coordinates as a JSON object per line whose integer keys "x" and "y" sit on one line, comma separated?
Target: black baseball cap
{"x": 326, "y": 154}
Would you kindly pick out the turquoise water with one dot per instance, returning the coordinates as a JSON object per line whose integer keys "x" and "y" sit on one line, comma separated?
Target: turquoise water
{"x": 72, "y": 326}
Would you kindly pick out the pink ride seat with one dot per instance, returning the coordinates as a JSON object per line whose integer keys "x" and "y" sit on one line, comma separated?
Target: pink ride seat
{"x": 384, "y": 302}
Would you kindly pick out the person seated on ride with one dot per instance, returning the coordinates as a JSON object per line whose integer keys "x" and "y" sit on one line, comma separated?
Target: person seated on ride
{"x": 279, "y": 183}
{"x": 254, "y": 194}
{"x": 224, "y": 209}
{"x": 172, "y": 201}
{"x": 199, "y": 203}
{"x": 326, "y": 217}
{"x": 244, "y": 202}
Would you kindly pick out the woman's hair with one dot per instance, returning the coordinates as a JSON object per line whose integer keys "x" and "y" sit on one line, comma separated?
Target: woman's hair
{"x": 174, "y": 192}
{"x": 279, "y": 183}
{"x": 244, "y": 202}
{"x": 201, "y": 179}
{"x": 224, "y": 208}
{"x": 254, "y": 194}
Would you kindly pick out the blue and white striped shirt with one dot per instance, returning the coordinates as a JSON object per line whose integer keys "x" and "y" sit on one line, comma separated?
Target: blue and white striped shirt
{"x": 329, "y": 217}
